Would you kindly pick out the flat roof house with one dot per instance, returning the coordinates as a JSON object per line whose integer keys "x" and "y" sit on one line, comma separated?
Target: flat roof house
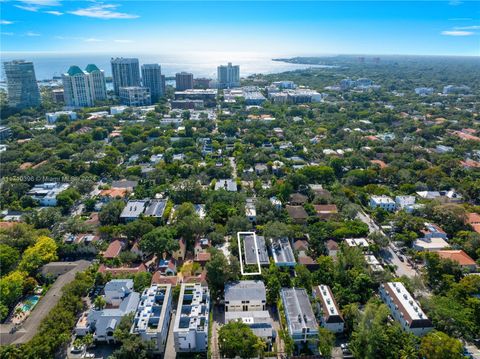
{"x": 330, "y": 317}
{"x": 245, "y": 295}
{"x": 383, "y": 202}
{"x": 153, "y": 315}
{"x": 282, "y": 252}
{"x": 133, "y": 210}
{"x": 226, "y": 184}
{"x": 404, "y": 308}
{"x": 249, "y": 250}
{"x": 190, "y": 330}
{"x": 46, "y": 193}
{"x": 155, "y": 208}
{"x": 301, "y": 323}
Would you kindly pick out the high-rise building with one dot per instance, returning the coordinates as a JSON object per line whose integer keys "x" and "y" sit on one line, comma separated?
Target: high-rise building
{"x": 153, "y": 79}
{"x": 21, "y": 84}
{"x": 83, "y": 88}
{"x": 183, "y": 81}
{"x": 97, "y": 82}
{"x": 125, "y": 73}
{"x": 228, "y": 76}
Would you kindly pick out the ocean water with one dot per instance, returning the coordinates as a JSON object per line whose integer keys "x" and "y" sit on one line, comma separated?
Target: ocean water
{"x": 201, "y": 64}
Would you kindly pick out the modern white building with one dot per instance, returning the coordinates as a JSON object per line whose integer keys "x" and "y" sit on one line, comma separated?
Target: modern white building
{"x": 282, "y": 252}
{"x": 116, "y": 110}
{"x": 330, "y": 317}
{"x": 226, "y": 184}
{"x": 357, "y": 242}
{"x": 121, "y": 300}
{"x": 245, "y": 295}
{"x": 301, "y": 323}
{"x": 46, "y": 193}
{"x": 424, "y": 91}
{"x": 190, "y": 331}
{"x": 135, "y": 96}
{"x": 407, "y": 203}
{"x": 373, "y": 263}
{"x": 52, "y": 117}
{"x": 153, "y": 315}
{"x": 405, "y": 309}
{"x": 250, "y": 210}
{"x": 383, "y": 202}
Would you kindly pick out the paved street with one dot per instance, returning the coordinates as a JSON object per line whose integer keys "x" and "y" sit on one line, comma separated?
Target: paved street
{"x": 170, "y": 345}
{"x": 218, "y": 320}
{"x": 28, "y": 329}
{"x": 388, "y": 254}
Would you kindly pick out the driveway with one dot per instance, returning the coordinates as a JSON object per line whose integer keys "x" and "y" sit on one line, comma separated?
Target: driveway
{"x": 170, "y": 345}
{"x": 218, "y": 321}
{"x": 29, "y": 327}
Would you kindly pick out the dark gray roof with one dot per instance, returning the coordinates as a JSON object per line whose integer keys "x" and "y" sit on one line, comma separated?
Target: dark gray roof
{"x": 245, "y": 290}
{"x": 155, "y": 208}
{"x": 249, "y": 249}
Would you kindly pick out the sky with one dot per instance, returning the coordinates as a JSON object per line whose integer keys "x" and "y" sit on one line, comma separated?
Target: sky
{"x": 283, "y": 28}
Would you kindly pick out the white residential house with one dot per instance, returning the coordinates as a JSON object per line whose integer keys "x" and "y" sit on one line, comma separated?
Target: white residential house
{"x": 190, "y": 330}
{"x": 405, "y": 309}
{"x": 330, "y": 317}
{"x": 406, "y": 203}
{"x": 152, "y": 317}
{"x": 384, "y": 202}
{"x": 46, "y": 193}
{"x": 250, "y": 210}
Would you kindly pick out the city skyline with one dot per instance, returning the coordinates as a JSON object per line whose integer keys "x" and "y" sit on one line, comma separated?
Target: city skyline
{"x": 284, "y": 28}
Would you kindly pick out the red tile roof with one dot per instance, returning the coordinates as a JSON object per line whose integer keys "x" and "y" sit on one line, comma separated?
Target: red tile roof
{"x": 122, "y": 270}
{"x": 459, "y": 256}
{"x": 159, "y": 278}
{"x": 114, "y": 249}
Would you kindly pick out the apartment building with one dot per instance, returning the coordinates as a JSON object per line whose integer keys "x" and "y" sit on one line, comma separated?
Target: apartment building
{"x": 330, "y": 317}
{"x": 405, "y": 309}
{"x": 153, "y": 315}
{"x": 190, "y": 330}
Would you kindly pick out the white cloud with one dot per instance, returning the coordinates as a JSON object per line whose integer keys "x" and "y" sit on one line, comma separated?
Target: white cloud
{"x": 31, "y": 33}
{"x": 5, "y": 22}
{"x": 27, "y": 7}
{"x": 457, "y": 33}
{"x": 53, "y": 12}
{"x": 455, "y": 2}
{"x": 103, "y": 11}
{"x": 473, "y": 27}
{"x": 123, "y": 41}
{"x": 92, "y": 39}
{"x": 7, "y": 33}
{"x": 35, "y": 5}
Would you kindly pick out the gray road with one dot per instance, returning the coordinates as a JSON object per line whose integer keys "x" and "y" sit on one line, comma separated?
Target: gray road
{"x": 29, "y": 327}
{"x": 170, "y": 345}
{"x": 388, "y": 254}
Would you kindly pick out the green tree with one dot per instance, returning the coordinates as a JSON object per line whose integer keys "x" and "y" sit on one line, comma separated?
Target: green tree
{"x": 237, "y": 339}
{"x": 11, "y": 287}
{"x": 438, "y": 345}
{"x": 326, "y": 340}
{"x": 141, "y": 281}
{"x": 8, "y": 258}
{"x": 42, "y": 252}
{"x": 110, "y": 212}
{"x": 136, "y": 229}
{"x": 160, "y": 240}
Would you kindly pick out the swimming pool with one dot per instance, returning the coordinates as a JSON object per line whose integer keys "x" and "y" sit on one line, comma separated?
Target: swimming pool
{"x": 30, "y": 302}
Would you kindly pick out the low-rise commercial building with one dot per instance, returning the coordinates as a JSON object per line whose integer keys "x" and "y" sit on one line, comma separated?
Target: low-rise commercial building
{"x": 190, "y": 330}
{"x": 405, "y": 309}
{"x": 52, "y": 117}
{"x": 135, "y": 96}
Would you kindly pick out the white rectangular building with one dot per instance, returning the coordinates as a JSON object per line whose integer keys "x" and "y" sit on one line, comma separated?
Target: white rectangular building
{"x": 330, "y": 318}
{"x": 52, "y": 117}
{"x": 384, "y": 202}
{"x": 190, "y": 330}
{"x": 46, "y": 193}
{"x": 153, "y": 315}
{"x": 245, "y": 295}
{"x": 405, "y": 309}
